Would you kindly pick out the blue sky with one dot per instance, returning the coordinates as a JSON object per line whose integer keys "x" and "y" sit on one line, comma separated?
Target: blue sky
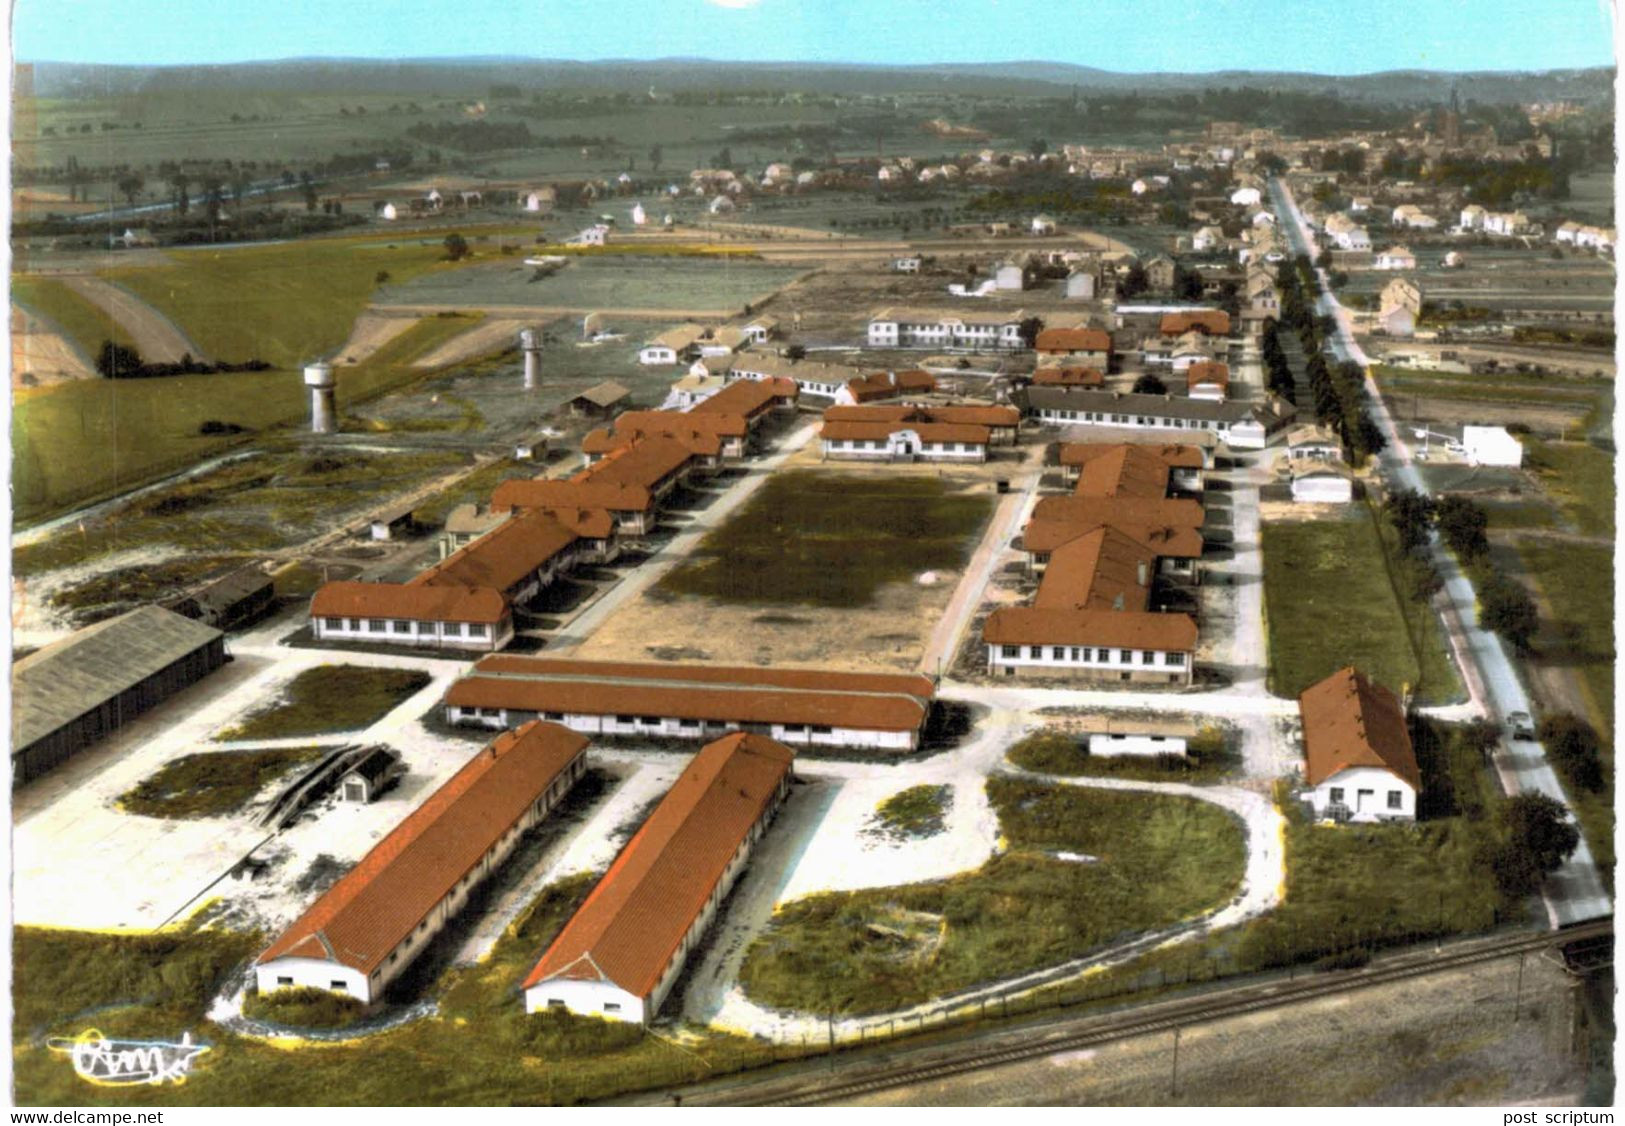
{"x": 1349, "y": 37}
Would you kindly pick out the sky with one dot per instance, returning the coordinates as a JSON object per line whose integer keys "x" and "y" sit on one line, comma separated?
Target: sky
{"x": 1352, "y": 37}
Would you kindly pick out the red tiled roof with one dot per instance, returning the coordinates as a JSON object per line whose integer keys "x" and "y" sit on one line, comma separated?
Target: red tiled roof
{"x": 553, "y": 493}
{"x": 890, "y": 384}
{"x": 1215, "y": 322}
{"x": 838, "y": 430}
{"x": 1168, "y": 542}
{"x": 698, "y": 442}
{"x": 1069, "y": 377}
{"x": 1100, "y": 570}
{"x": 816, "y": 680}
{"x": 504, "y": 557}
{"x": 1031, "y": 625}
{"x": 1210, "y": 372}
{"x": 410, "y": 603}
{"x": 730, "y": 704}
{"x": 746, "y": 398}
{"x": 1178, "y": 512}
{"x": 989, "y": 416}
{"x": 1074, "y": 340}
{"x": 1349, "y": 721}
{"x": 643, "y": 464}
{"x": 374, "y": 906}
{"x": 724, "y": 424}
{"x": 632, "y": 924}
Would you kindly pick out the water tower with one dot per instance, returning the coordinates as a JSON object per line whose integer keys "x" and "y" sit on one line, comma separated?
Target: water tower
{"x": 532, "y": 347}
{"x": 319, "y": 378}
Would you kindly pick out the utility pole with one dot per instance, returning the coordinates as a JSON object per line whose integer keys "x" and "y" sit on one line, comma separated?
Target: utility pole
{"x": 1174, "y": 1092}
{"x": 1517, "y": 1003}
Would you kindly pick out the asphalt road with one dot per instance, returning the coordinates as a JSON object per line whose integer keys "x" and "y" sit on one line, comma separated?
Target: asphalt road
{"x": 1576, "y": 891}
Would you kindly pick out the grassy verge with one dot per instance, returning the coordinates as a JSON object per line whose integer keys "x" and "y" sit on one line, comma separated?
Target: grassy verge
{"x": 82, "y": 321}
{"x": 832, "y": 539}
{"x": 476, "y": 488}
{"x": 1132, "y": 862}
{"x": 329, "y": 698}
{"x": 303, "y": 1008}
{"x": 1580, "y": 477}
{"x": 480, "y": 1049}
{"x": 1207, "y": 759}
{"x": 1332, "y": 571}
{"x": 918, "y": 811}
{"x": 1578, "y": 582}
{"x": 212, "y": 784}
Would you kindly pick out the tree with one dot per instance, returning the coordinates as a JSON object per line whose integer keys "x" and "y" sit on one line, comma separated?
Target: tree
{"x": 1411, "y": 514}
{"x": 1037, "y": 147}
{"x": 309, "y": 187}
{"x": 1573, "y": 746}
{"x": 656, "y": 155}
{"x": 1464, "y": 526}
{"x": 1505, "y": 607}
{"x": 115, "y": 361}
{"x": 796, "y": 352}
{"x": 456, "y": 247}
{"x": 1149, "y": 384}
{"x": 1538, "y": 838}
{"x": 130, "y": 185}
{"x": 1135, "y": 282}
{"x": 1029, "y": 329}
{"x": 1187, "y": 284}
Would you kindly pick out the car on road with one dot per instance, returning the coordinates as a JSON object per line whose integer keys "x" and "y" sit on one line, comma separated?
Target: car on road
{"x": 1520, "y": 725}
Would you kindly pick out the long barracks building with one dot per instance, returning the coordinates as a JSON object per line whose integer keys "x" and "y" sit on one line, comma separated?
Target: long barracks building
{"x": 809, "y": 707}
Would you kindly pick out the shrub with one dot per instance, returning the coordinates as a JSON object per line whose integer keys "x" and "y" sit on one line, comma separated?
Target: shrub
{"x": 303, "y": 1007}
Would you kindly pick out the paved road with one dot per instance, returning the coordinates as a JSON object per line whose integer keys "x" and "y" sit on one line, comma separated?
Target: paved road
{"x": 1576, "y": 892}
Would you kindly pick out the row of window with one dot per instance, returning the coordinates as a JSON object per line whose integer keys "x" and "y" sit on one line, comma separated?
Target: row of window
{"x": 880, "y": 444}
{"x": 656, "y": 721}
{"x": 402, "y": 626}
{"x": 1084, "y": 653}
{"x": 1396, "y": 798}
{"x": 1130, "y": 420}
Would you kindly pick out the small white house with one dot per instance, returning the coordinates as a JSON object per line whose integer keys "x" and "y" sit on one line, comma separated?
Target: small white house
{"x": 1008, "y": 276}
{"x": 907, "y": 265}
{"x": 1246, "y": 197}
{"x": 1395, "y": 258}
{"x": 1043, "y": 225}
{"x": 1491, "y": 445}
{"x": 1080, "y": 285}
{"x": 1359, "y": 764}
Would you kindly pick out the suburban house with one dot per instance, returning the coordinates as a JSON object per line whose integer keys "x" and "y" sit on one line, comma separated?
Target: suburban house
{"x": 1159, "y": 273}
{"x": 674, "y": 346}
{"x": 714, "y": 435}
{"x": 365, "y": 930}
{"x": 797, "y": 706}
{"x": 900, "y": 440}
{"x": 881, "y": 385}
{"x": 925, "y": 328}
{"x": 809, "y": 376}
{"x": 1410, "y": 215}
{"x": 1210, "y": 322}
{"x": 1395, "y": 258}
{"x": 622, "y": 950}
{"x": 1359, "y": 764}
{"x": 1090, "y": 347}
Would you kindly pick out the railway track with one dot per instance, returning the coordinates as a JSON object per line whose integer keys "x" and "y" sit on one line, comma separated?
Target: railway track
{"x": 814, "y": 1090}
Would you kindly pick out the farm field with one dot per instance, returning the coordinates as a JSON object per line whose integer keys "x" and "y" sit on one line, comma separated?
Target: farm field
{"x": 1333, "y": 570}
{"x": 609, "y": 282}
{"x": 1155, "y": 860}
{"x": 1580, "y": 477}
{"x": 1498, "y": 276}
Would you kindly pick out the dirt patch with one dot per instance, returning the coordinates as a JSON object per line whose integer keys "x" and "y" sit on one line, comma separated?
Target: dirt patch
{"x": 484, "y": 338}
{"x": 40, "y": 356}
{"x": 157, "y": 338}
{"x": 370, "y": 333}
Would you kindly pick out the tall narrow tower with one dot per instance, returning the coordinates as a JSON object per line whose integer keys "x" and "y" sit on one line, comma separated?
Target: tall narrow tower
{"x": 532, "y": 347}
{"x": 319, "y": 378}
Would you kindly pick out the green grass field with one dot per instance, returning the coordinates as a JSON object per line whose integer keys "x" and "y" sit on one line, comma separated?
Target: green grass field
{"x": 1580, "y": 477}
{"x": 1329, "y": 603}
{"x": 833, "y": 539}
{"x": 1208, "y": 759}
{"x": 328, "y": 699}
{"x": 1157, "y": 860}
{"x": 1578, "y": 583}
{"x": 213, "y": 784}
{"x": 285, "y": 303}
{"x": 919, "y": 811}
{"x": 83, "y": 322}
{"x": 80, "y": 440}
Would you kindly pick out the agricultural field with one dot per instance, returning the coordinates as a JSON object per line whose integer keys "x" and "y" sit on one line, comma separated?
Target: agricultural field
{"x": 610, "y": 282}
{"x": 1084, "y": 867}
{"x": 1335, "y": 570}
{"x": 1552, "y": 405}
{"x": 1499, "y": 276}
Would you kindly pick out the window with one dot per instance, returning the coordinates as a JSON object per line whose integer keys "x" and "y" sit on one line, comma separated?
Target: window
{"x": 612, "y": 1007}
{"x": 820, "y": 730}
{"x": 338, "y": 986}
{"x": 649, "y": 720}
{"x": 1337, "y": 795}
{"x": 795, "y": 727}
{"x": 1075, "y": 652}
{"x": 1396, "y": 800}
{"x": 1036, "y": 652}
{"x": 688, "y": 723}
{"x": 1089, "y": 655}
{"x": 402, "y": 627}
{"x": 1057, "y": 653}
{"x": 1126, "y": 656}
{"x": 1009, "y": 650}
{"x": 555, "y": 716}
{"x": 1146, "y": 657}
{"x": 555, "y": 1003}
{"x": 335, "y": 623}
{"x": 1173, "y": 658}
{"x": 624, "y": 719}
{"x": 284, "y": 981}
{"x": 376, "y": 625}
{"x": 476, "y": 631}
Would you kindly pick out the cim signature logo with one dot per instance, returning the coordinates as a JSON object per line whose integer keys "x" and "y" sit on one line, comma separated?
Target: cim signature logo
{"x": 127, "y": 1063}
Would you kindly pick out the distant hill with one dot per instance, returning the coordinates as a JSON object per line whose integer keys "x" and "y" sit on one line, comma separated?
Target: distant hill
{"x": 474, "y": 76}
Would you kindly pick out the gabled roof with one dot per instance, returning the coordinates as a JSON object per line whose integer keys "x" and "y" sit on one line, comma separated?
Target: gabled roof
{"x": 839, "y": 430}
{"x": 991, "y": 417}
{"x": 1213, "y": 321}
{"x": 1100, "y": 570}
{"x": 1210, "y": 372}
{"x": 374, "y": 906}
{"x": 1128, "y": 469}
{"x": 605, "y": 394}
{"x": 1032, "y": 625}
{"x": 630, "y": 927}
{"x": 503, "y": 557}
{"x": 643, "y": 464}
{"x": 521, "y": 493}
{"x": 409, "y": 602}
{"x": 1162, "y": 540}
{"x": 1179, "y": 512}
{"x": 1349, "y": 721}
{"x": 67, "y": 678}
{"x": 1069, "y": 377}
{"x": 722, "y": 423}
{"x": 746, "y": 398}
{"x": 1074, "y": 340}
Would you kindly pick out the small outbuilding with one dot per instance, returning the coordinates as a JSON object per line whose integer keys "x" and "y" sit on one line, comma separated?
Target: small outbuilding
{"x": 1491, "y": 445}
{"x": 600, "y": 401}
{"x": 1322, "y": 486}
{"x": 376, "y": 771}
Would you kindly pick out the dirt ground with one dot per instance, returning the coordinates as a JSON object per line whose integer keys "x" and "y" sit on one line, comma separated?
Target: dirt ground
{"x": 156, "y": 337}
{"x": 370, "y": 333}
{"x": 1484, "y": 412}
{"x": 1455, "y": 1039}
{"x": 40, "y": 355}
{"x": 485, "y": 337}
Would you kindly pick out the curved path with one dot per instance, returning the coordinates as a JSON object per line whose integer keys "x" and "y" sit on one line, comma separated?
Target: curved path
{"x": 156, "y": 337}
